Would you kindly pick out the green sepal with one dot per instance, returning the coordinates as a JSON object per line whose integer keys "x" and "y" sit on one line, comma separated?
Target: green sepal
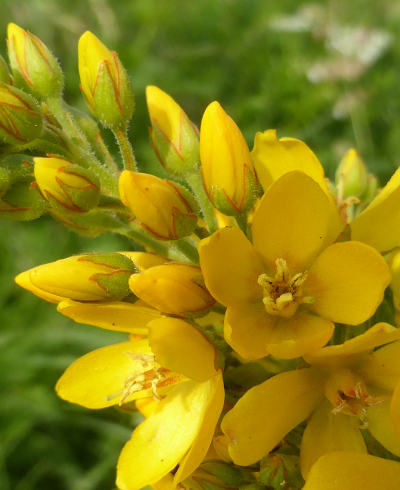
{"x": 116, "y": 282}
{"x": 178, "y": 161}
{"x": 226, "y": 206}
{"x": 113, "y": 109}
{"x": 5, "y": 75}
{"x": 22, "y": 202}
{"x": 280, "y": 471}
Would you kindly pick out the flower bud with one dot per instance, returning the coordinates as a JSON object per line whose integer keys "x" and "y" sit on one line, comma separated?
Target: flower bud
{"x": 177, "y": 289}
{"x": 66, "y": 186}
{"x": 33, "y": 65}
{"x": 227, "y": 170}
{"x": 89, "y": 277}
{"x": 351, "y": 175}
{"x": 166, "y": 209}
{"x": 22, "y": 202}
{"x": 104, "y": 82}
{"x": 174, "y": 137}
{"x": 20, "y": 116}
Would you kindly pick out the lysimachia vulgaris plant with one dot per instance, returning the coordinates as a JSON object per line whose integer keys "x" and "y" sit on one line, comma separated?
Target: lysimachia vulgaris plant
{"x": 259, "y": 301}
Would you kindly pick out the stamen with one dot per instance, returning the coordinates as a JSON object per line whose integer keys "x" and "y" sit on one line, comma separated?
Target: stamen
{"x": 283, "y": 293}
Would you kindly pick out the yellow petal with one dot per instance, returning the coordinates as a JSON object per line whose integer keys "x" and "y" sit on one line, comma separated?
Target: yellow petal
{"x": 144, "y": 260}
{"x": 327, "y": 432}
{"x": 247, "y": 329}
{"x": 181, "y": 347}
{"x": 24, "y": 281}
{"x": 292, "y": 221}
{"x": 177, "y": 289}
{"x": 347, "y": 281}
{"x": 165, "y": 113}
{"x": 118, "y": 316}
{"x": 344, "y": 470}
{"x": 381, "y": 426}
{"x": 395, "y": 411}
{"x": 265, "y": 414}
{"x": 379, "y": 224}
{"x": 273, "y": 158}
{"x": 147, "y": 406}
{"x": 379, "y": 334}
{"x": 293, "y": 337}
{"x": 230, "y": 266}
{"x": 382, "y": 367}
{"x": 162, "y": 440}
{"x": 203, "y": 440}
{"x": 98, "y": 379}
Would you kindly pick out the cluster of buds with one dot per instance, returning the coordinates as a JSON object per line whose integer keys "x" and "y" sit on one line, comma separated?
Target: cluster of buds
{"x": 262, "y": 348}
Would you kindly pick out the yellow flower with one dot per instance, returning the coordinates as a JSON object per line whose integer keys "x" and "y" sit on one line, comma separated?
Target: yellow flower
{"x": 176, "y": 289}
{"x": 88, "y": 277}
{"x": 67, "y": 186}
{"x": 176, "y": 361}
{"x": 346, "y": 385}
{"x": 226, "y": 167}
{"x": 104, "y": 82}
{"x": 345, "y": 470}
{"x": 33, "y": 65}
{"x": 166, "y": 209}
{"x": 284, "y": 291}
{"x": 174, "y": 137}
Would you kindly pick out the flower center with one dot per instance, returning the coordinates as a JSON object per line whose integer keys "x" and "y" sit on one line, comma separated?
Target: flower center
{"x": 283, "y": 293}
{"x": 147, "y": 375}
{"x": 348, "y": 394}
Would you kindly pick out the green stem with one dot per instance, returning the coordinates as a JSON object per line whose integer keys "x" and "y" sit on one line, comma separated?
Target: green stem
{"x": 186, "y": 247}
{"x": 56, "y": 106}
{"x": 196, "y": 184}
{"x": 126, "y": 149}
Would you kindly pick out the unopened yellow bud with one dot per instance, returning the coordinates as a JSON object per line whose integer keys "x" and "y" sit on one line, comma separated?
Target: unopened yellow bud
{"x": 166, "y": 209}
{"x": 177, "y": 289}
{"x": 174, "y": 137}
{"x": 33, "y": 65}
{"x": 351, "y": 175}
{"x": 104, "y": 82}
{"x": 66, "y": 186}
{"x": 20, "y": 116}
{"x": 227, "y": 170}
{"x": 89, "y": 277}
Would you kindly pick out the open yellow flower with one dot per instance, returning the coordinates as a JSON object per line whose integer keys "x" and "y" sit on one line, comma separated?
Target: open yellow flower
{"x": 348, "y": 387}
{"x": 176, "y": 361}
{"x": 284, "y": 291}
{"x": 344, "y": 470}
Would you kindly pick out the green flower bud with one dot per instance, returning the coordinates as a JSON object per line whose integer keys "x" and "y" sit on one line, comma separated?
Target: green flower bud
{"x": 21, "y": 119}
{"x": 22, "y": 202}
{"x": 351, "y": 175}
{"x": 66, "y": 186}
{"x": 34, "y": 67}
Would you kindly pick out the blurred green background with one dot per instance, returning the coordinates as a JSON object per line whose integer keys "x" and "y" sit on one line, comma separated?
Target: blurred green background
{"x": 325, "y": 72}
